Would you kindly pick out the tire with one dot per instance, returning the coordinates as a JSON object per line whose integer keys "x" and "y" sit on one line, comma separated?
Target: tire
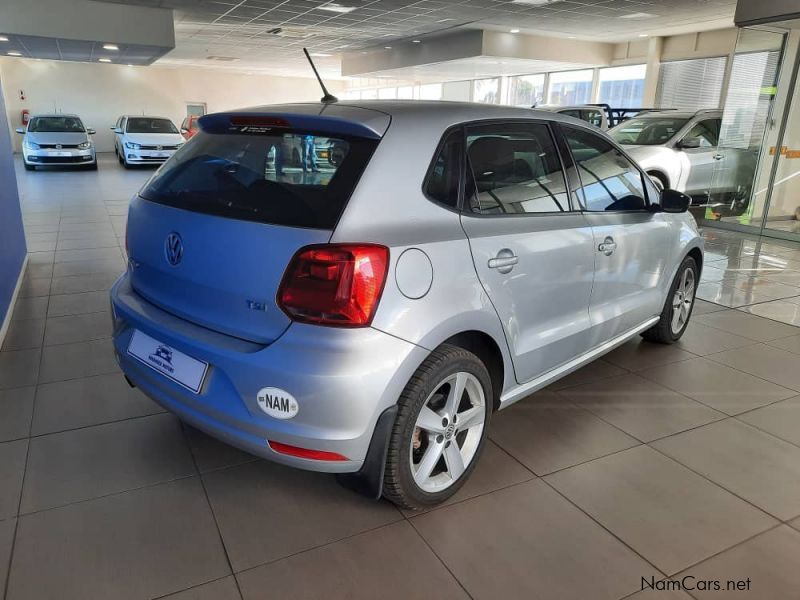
{"x": 669, "y": 329}
{"x": 659, "y": 180}
{"x": 92, "y": 167}
{"x": 120, "y": 159}
{"x": 29, "y": 167}
{"x": 445, "y": 446}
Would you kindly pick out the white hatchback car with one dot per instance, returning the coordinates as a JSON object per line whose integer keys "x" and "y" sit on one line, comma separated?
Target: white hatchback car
{"x": 145, "y": 140}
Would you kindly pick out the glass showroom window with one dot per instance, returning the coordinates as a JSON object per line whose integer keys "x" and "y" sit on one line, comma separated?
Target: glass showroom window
{"x": 430, "y": 91}
{"x": 405, "y": 92}
{"x": 622, "y": 87}
{"x": 486, "y": 91}
{"x": 351, "y": 95}
{"x": 369, "y": 94}
{"x": 387, "y": 93}
{"x": 691, "y": 84}
{"x": 526, "y": 90}
{"x": 570, "y": 87}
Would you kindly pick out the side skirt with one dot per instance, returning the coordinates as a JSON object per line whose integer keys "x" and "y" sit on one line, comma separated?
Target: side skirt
{"x": 521, "y": 391}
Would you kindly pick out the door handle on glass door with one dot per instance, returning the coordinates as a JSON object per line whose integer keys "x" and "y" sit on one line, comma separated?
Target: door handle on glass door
{"x": 504, "y": 261}
{"x": 608, "y": 246}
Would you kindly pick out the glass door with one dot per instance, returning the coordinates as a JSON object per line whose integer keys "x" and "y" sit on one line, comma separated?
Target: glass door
{"x": 736, "y": 195}
{"x": 783, "y": 209}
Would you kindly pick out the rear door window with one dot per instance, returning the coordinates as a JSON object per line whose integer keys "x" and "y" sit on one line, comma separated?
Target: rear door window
{"x": 297, "y": 179}
{"x": 514, "y": 168}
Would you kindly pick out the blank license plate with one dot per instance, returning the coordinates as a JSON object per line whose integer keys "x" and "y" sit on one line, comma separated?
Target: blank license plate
{"x": 60, "y": 154}
{"x": 181, "y": 368}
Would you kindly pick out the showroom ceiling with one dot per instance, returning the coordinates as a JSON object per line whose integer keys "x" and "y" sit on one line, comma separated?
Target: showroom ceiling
{"x": 32, "y": 46}
{"x": 267, "y": 35}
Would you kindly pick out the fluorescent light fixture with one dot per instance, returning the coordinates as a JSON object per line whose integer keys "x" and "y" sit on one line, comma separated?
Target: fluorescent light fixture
{"x": 3, "y": 38}
{"x": 15, "y": 54}
{"x": 336, "y": 8}
{"x": 110, "y": 47}
{"x": 104, "y": 60}
{"x": 416, "y": 41}
{"x": 644, "y": 35}
{"x": 388, "y": 47}
{"x": 319, "y": 54}
{"x": 445, "y": 20}
{"x": 514, "y": 31}
{"x": 639, "y": 15}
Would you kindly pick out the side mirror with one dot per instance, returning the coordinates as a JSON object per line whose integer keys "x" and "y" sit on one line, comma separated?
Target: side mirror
{"x": 21, "y": 130}
{"x": 689, "y": 143}
{"x": 91, "y": 131}
{"x": 184, "y": 131}
{"x": 117, "y": 130}
{"x": 673, "y": 201}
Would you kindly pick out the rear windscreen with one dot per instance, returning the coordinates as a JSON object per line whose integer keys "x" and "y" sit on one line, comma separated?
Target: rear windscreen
{"x": 293, "y": 179}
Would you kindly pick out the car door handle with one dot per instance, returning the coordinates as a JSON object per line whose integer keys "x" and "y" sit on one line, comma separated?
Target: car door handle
{"x": 718, "y": 156}
{"x": 608, "y": 246}
{"x": 504, "y": 261}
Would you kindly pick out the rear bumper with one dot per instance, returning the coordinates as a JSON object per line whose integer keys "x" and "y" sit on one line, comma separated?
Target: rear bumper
{"x": 342, "y": 379}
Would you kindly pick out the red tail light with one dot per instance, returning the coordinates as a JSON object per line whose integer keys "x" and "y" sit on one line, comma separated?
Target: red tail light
{"x": 335, "y": 284}
{"x": 305, "y": 452}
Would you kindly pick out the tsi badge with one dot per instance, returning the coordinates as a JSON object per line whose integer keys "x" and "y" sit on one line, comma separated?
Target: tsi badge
{"x": 277, "y": 403}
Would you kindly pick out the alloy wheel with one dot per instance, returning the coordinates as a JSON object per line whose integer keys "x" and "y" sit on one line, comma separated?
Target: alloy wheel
{"x": 447, "y": 432}
{"x": 682, "y": 301}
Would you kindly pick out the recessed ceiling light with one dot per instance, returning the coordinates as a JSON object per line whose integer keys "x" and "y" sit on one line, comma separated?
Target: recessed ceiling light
{"x": 130, "y": 65}
{"x": 570, "y": 37}
{"x": 416, "y": 41}
{"x": 104, "y": 60}
{"x": 3, "y": 38}
{"x": 336, "y": 8}
{"x": 514, "y": 31}
{"x": 15, "y": 54}
{"x": 639, "y": 15}
{"x": 110, "y": 47}
{"x": 644, "y": 35}
{"x": 388, "y": 47}
{"x": 319, "y": 54}
{"x": 534, "y": 2}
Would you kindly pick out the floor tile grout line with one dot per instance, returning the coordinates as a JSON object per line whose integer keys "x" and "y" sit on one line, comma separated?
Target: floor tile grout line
{"x": 186, "y": 440}
{"x": 439, "y": 558}
{"x": 738, "y": 310}
{"x": 709, "y": 357}
{"x": 602, "y": 526}
{"x": 717, "y": 484}
{"x": 199, "y": 585}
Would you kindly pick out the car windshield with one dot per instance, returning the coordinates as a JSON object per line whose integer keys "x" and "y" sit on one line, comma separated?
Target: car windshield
{"x": 147, "y": 125}
{"x": 56, "y": 125}
{"x": 647, "y": 131}
{"x": 293, "y": 179}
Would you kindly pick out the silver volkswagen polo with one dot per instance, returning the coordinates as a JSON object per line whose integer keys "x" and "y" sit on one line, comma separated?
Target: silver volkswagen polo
{"x": 367, "y": 319}
{"x": 57, "y": 140}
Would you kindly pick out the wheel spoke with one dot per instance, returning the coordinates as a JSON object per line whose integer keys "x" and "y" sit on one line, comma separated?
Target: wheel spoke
{"x": 428, "y": 462}
{"x": 676, "y": 320}
{"x": 456, "y": 392}
{"x": 429, "y": 420}
{"x": 684, "y": 279}
{"x": 454, "y": 460}
{"x": 470, "y": 418}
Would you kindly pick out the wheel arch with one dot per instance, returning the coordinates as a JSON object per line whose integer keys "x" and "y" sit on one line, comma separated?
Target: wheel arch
{"x": 488, "y": 351}
{"x": 660, "y": 174}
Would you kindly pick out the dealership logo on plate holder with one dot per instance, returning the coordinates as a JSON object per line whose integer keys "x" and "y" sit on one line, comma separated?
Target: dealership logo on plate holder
{"x": 173, "y": 249}
{"x": 277, "y": 403}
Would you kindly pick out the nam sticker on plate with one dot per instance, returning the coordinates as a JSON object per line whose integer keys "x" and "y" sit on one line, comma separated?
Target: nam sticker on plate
{"x": 181, "y": 368}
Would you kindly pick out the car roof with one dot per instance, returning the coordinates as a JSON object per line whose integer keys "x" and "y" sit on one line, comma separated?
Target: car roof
{"x": 144, "y": 117}
{"x": 440, "y": 113}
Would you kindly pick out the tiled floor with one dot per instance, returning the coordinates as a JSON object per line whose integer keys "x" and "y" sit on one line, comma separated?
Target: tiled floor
{"x": 653, "y": 462}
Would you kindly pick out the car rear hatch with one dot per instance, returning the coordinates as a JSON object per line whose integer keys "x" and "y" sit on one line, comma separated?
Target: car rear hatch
{"x": 211, "y": 234}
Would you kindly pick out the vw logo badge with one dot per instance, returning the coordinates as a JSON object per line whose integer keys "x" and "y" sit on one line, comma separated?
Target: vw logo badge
{"x": 58, "y": 146}
{"x": 173, "y": 249}
{"x": 159, "y": 147}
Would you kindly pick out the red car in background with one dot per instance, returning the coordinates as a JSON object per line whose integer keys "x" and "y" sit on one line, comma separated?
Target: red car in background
{"x": 189, "y": 127}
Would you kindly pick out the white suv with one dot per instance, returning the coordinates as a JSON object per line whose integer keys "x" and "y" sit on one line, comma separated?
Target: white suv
{"x": 145, "y": 140}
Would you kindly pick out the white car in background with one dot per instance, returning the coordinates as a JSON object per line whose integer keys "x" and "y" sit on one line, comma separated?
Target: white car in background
{"x": 142, "y": 140}
{"x": 57, "y": 140}
{"x": 680, "y": 151}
